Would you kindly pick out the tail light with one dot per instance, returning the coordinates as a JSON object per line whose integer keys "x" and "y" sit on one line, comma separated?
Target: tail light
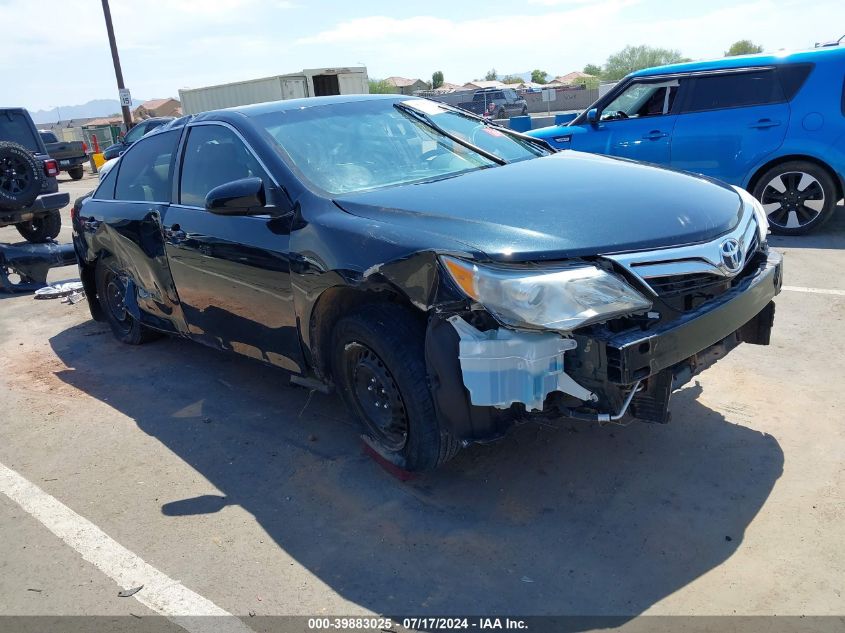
{"x": 74, "y": 210}
{"x": 51, "y": 168}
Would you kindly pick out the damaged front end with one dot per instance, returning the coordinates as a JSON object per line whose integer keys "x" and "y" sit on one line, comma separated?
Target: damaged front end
{"x": 488, "y": 372}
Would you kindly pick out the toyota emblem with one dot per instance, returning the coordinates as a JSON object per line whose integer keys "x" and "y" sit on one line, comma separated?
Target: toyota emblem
{"x": 732, "y": 258}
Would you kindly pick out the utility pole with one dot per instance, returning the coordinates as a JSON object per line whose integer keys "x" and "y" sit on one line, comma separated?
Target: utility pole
{"x": 127, "y": 114}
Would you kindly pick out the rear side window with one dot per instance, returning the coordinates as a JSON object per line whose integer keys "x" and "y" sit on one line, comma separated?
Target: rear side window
{"x": 792, "y": 77}
{"x": 15, "y": 127}
{"x": 735, "y": 90}
{"x": 146, "y": 169}
{"x": 106, "y": 189}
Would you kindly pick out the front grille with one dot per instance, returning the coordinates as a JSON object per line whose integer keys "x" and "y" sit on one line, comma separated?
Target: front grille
{"x": 674, "y": 285}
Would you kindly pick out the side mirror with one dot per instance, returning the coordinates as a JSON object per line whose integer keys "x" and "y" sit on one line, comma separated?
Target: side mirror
{"x": 239, "y": 197}
{"x": 592, "y": 116}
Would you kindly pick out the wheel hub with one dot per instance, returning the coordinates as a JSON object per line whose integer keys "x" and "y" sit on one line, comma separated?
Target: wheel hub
{"x": 378, "y": 397}
{"x": 793, "y": 199}
{"x": 116, "y": 297}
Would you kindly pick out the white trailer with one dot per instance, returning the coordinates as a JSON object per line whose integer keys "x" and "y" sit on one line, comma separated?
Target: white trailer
{"x": 311, "y": 82}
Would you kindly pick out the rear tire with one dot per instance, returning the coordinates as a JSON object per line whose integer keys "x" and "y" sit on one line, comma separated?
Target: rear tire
{"x": 21, "y": 176}
{"x": 524, "y": 110}
{"x": 42, "y": 228}
{"x": 76, "y": 172}
{"x": 111, "y": 293}
{"x": 378, "y": 365}
{"x": 798, "y": 197}
{"x": 501, "y": 114}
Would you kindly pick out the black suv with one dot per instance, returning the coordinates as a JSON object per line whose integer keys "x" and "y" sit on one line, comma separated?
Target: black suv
{"x": 29, "y": 192}
{"x": 506, "y": 102}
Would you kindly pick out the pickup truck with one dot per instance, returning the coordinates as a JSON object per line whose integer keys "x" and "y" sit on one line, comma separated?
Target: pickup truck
{"x": 29, "y": 192}
{"x": 70, "y": 155}
{"x": 506, "y": 101}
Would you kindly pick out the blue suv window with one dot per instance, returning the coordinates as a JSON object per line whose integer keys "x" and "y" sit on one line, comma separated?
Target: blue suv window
{"x": 734, "y": 90}
{"x": 792, "y": 77}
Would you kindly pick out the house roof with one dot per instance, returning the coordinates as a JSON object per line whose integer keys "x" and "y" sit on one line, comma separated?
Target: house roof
{"x": 568, "y": 78}
{"x": 152, "y": 104}
{"x": 402, "y": 82}
{"x": 485, "y": 84}
{"x": 114, "y": 120}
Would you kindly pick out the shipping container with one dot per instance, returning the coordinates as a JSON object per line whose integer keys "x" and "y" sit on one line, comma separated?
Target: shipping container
{"x": 311, "y": 82}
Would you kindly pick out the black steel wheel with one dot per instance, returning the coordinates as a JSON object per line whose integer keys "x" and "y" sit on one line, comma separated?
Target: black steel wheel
{"x": 21, "y": 176}
{"x": 377, "y": 396}
{"x": 378, "y": 365}
{"x": 112, "y": 291}
{"x": 797, "y": 197}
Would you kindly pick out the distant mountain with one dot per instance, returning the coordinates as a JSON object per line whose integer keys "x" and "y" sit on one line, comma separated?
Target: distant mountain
{"x": 95, "y": 108}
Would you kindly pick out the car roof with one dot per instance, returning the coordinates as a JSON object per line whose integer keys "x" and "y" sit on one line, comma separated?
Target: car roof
{"x": 831, "y": 53}
{"x": 258, "y": 109}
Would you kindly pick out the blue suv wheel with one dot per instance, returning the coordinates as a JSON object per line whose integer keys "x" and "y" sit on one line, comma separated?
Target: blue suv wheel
{"x": 798, "y": 197}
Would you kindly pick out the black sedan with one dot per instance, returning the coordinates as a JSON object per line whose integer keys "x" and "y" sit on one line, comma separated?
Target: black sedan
{"x": 447, "y": 276}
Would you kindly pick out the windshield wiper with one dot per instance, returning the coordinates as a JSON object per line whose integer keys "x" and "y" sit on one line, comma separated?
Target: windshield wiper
{"x": 422, "y": 117}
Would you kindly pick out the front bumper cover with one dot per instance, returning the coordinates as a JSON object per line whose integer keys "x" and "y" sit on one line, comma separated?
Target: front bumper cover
{"x": 632, "y": 356}
{"x": 666, "y": 356}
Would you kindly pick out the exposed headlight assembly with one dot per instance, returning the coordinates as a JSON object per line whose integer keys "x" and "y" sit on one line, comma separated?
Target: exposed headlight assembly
{"x": 560, "y": 299}
{"x": 753, "y": 204}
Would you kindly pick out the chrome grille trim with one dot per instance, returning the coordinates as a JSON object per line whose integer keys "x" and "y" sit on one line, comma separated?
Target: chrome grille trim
{"x": 695, "y": 259}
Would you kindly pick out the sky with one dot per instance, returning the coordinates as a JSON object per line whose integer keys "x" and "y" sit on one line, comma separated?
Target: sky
{"x": 55, "y": 52}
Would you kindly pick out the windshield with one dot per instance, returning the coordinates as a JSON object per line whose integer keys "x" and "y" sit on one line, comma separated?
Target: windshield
{"x": 348, "y": 147}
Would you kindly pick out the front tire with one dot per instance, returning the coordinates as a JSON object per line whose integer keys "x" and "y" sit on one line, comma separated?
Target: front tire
{"x": 112, "y": 285}
{"x": 378, "y": 365}
{"x": 798, "y": 197}
{"x": 41, "y": 229}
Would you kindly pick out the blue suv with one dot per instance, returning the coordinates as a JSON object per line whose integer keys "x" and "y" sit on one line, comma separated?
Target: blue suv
{"x": 772, "y": 124}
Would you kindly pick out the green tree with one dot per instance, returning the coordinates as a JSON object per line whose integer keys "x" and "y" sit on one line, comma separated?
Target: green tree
{"x": 593, "y": 69}
{"x": 539, "y": 76}
{"x": 633, "y": 58}
{"x": 491, "y": 75}
{"x": 512, "y": 79}
{"x": 436, "y": 79}
{"x": 743, "y": 47}
{"x": 380, "y": 87}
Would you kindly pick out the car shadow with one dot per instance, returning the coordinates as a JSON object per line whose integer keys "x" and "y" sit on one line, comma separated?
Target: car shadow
{"x": 829, "y": 236}
{"x": 570, "y": 520}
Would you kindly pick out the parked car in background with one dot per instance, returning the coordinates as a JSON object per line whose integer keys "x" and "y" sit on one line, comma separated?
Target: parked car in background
{"x": 70, "y": 155}
{"x": 139, "y": 130}
{"x": 771, "y": 124}
{"x": 507, "y": 103}
{"x": 443, "y": 274}
{"x": 29, "y": 192}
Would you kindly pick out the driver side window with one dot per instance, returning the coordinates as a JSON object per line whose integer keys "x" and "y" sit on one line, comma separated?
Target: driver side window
{"x": 214, "y": 155}
{"x": 642, "y": 100}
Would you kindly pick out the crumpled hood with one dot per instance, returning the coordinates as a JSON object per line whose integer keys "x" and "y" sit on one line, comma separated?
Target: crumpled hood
{"x": 569, "y": 204}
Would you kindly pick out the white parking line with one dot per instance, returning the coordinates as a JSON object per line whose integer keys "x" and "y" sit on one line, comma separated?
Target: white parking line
{"x": 815, "y": 291}
{"x": 161, "y": 593}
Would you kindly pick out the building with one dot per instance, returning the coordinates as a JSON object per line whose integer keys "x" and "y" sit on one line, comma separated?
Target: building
{"x": 158, "y": 107}
{"x": 404, "y": 86}
{"x": 480, "y": 85}
{"x": 569, "y": 79}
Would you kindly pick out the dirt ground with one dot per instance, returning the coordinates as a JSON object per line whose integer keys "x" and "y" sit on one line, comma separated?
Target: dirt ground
{"x": 259, "y": 497}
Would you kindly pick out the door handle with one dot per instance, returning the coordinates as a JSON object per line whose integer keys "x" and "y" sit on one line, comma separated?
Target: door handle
{"x": 762, "y": 124}
{"x": 655, "y": 135}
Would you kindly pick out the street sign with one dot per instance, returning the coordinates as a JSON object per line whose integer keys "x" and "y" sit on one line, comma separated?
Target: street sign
{"x": 549, "y": 94}
{"x": 125, "y": 97}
